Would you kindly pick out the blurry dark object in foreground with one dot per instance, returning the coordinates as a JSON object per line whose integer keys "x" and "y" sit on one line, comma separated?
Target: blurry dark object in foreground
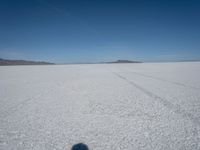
{"x": 80, "y": 146}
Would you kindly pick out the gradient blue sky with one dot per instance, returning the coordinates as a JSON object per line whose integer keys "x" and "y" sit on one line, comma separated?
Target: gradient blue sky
{"x": 64, "y": 31}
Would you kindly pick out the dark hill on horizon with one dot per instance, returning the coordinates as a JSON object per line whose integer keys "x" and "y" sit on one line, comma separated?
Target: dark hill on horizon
{"x": 8, "y": 62}
{"x": 125, "y": 61}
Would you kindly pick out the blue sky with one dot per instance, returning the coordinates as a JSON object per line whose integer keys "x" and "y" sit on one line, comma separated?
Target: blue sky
{"x": 65, "y": 31}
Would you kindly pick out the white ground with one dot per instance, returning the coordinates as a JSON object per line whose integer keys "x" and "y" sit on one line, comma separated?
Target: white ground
{"x": 150, "y": 106}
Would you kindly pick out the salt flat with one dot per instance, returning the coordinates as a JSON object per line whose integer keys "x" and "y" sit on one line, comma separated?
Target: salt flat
{"x": 147, "y": 106}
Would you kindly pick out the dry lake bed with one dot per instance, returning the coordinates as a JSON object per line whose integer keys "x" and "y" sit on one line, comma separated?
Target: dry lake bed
{"x": 143, "y": 106}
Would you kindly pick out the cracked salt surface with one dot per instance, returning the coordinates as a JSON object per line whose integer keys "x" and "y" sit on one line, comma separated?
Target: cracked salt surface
{"x": 107, "y": 106}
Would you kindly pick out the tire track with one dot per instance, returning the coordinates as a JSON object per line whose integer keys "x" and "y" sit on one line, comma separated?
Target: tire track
{"x": 175, "y": 108}
{"x": 164, "y": 80}
{"x": 16, "y": 107}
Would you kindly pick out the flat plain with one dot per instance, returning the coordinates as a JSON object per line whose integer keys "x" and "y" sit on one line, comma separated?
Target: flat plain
{"x": 142, "y": 106}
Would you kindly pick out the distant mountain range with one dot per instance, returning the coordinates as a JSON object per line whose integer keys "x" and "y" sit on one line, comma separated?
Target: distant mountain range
{"x": 7, "y": 62}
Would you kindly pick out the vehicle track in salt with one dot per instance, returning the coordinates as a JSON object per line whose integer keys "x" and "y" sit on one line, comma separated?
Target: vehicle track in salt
{"x": 21, "y": 104}
{"x": 164, "y": 80}
{"x": 175, "y": 108}
{"x": 16, "y": 107}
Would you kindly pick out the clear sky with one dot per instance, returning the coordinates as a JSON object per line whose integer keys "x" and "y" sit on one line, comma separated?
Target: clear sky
{"x": 64, "y": 31}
